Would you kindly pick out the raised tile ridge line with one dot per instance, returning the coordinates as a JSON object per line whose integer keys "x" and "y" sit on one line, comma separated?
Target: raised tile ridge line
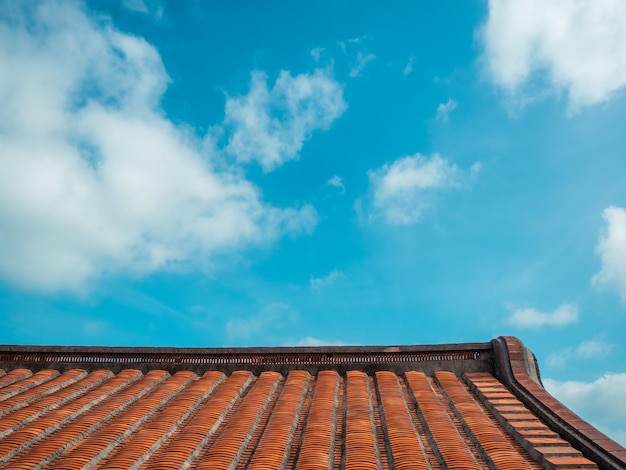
{"x": 35, "y": 357}
{"x": 513, "y": 369}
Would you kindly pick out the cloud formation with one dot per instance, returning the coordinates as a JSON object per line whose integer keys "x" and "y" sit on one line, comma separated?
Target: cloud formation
{"x": 312, "y": 341}
{"x": 444, "y": 109}
{"x": 403, "y": 190}
{"x": 409, "y": 66}
{"x": 356, "y": 56}
{"x": 612, "y": 251}
{"x": 150, "y": 7}
{"x": 275, "y": 317}
{"x": 336, "y": 182}
{"x": 595, "y": 348}
{"x": 94, "y": 179}
{"x": 319, "y": 283}
{"x": 601, "y": 402}
{"x": 577, "y": 46}
{"x": 564, "y": 314}
{"x": 271, "y": 125}
{"x": 361, "y": 61}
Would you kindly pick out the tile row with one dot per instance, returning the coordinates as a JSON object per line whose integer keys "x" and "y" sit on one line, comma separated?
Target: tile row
{"x": 381, "y": 421}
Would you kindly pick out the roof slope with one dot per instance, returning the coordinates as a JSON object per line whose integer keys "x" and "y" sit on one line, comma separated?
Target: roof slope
{"x": 408, "y": 409}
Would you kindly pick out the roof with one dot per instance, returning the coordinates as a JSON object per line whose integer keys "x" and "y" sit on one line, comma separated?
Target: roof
{"x": 464, "y": 406}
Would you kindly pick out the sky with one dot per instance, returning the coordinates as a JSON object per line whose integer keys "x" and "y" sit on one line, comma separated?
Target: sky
{"x": 207, "y": 174}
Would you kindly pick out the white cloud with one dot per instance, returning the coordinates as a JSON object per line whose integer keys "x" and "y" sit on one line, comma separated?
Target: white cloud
{"x": 578, "y": 45}
{"x": 317, "y": 53}
{"x": 600, "y": 402}
{"x": 559, "y": 359}
{"x": 311, "y": 341}
{"x": 271, "y": 125}
{"x": 612, "y": 251}
{"x": 139, "y": 6}
{"x": 356, "y": 58}
{"x": 476, "y": 168}
{"x": 361, "y": 61}
{"x": 563, "y": 315}
{"x": 275, "y": 316}
{"x": 403, "y": 191}
{"x": 444, "y": 109}
{"x": 409, "y": 66}
{"x": 94, "y": 180}
{"x": 319, "y": 283}
{"x": 595, "y": 348}
{"x": 96, "y": 328}
{"x": 336, "y": 182}
{"x": 152, "y": 7}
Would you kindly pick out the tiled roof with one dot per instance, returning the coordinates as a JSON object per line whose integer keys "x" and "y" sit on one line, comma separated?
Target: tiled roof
{"x": 450, "y": 406}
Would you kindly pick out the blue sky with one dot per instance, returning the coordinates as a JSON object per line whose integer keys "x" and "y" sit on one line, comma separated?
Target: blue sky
{"x": 202, "y": 174}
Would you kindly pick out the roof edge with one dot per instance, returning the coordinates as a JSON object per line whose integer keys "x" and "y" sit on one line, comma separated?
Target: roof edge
{"x": 428, "y": 358}
{"x": 452, "y": 347}
{"x": 516, "y": 366}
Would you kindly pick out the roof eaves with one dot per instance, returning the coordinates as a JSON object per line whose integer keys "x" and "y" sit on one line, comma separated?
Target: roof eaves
{"x": 467, "y": 357}
{"x": 514, "y": 367}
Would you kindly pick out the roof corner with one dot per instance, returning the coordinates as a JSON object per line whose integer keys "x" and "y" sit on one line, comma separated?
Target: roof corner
{"x": 516, "y": 366}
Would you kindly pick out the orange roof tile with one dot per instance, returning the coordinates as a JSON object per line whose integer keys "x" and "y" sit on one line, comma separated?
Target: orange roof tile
{"x": 469, "y": 406}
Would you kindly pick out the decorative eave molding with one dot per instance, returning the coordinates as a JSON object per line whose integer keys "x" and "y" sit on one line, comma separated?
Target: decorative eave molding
{"x": 429, "y": 358}
{"x": 515, "y": 369}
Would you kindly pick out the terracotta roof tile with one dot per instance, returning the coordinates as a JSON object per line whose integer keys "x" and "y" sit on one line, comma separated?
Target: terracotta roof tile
{"x": 160, "y": 421}
{"x": 140, "y": 446}
{"x": 362, "y": 448}
{"x": 193, "y": 435}
{"x": 318, "y": 440}
{"x": 229, "y": 446}
{"x": 382, "y": 417}
{"x": 13, "y": 376}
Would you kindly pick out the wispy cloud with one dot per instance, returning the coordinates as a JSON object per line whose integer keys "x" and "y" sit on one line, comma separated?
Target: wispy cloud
{"x": 271, "y": 125}
{"x": 275, "y": 316}
{"x": 476, "y": 168}
{"x": 444, "y": 110}
{"x": 559, "y": 359}
{"x": 409, "y": 66}
{"x": 356, "y": 55}
{"x": 578, "y": 45}
{"x": 601, "y": 402}
{"x": 336, "y": 182}
{"x": 68, "y": 327}
{"x": 312, "y": 341}
{"x": 151, "y": 7}
{"x": 612, "y": 251}
{"x": 564, "y": 314}
{"x": 595, "y": 348}
{"x": 100, "y": 183}
{"x": 317, "y": 53}
{"x": 361, "y": 61}
{"x": 403, "y": 190}
{"x": 319, "y": 283}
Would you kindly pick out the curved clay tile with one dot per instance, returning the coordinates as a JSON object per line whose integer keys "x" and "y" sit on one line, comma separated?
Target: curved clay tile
{"x": 317, "y": 449}
{"x": 274, "y": 448}
{"x": 230, "y": 445}
{"x": 185, "y": 445}
{"x": 369, "y": 408}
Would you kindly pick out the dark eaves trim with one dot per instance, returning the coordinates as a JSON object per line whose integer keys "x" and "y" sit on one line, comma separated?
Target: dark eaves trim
{"x": 428, "y": 358}
{"x": 516, "y": 367}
